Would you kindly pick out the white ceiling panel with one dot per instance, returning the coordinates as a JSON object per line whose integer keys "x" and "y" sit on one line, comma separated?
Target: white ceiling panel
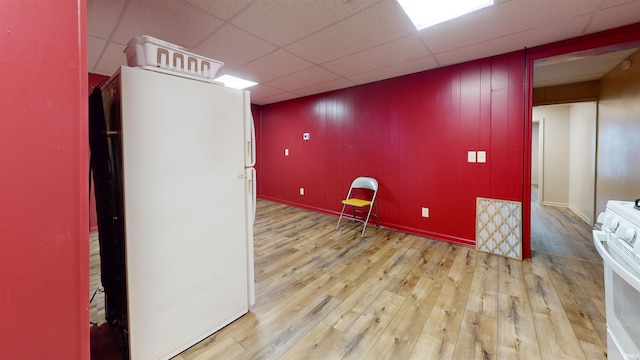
{"x": 561, "y": 69}
{"x": 325, "y": 86}
{"x": 94, "y": 50}
{"x": 564, "y": 78}
{"x": 513, "y": 42}
{"x": 409, "y": 67}
{"x": 274, "y": 65}
{"x": 262, "y": 91}
{"x": 276, "y": 98}
{"x": 615, "y": 16}
{"x": 103, "y": 16}
{"x": 234, "y": 47}
{"x": 174, "y": 21}
{"x": 310, "y": 76}
{"x": 301, "y": 47}
{"x": 113, "y": 54}
{"x": 396, "y": 51}
{"x": 481, "y": 50}
{"x": 609, "y": 3}
{"x": 289, "y": 21}
{"x": 502, "y": 20}
{"x": 223, "y": 9}
{"x": 373, "y": 26}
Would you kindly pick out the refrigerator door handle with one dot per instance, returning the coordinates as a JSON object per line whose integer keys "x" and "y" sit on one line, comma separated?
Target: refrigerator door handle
{"x": 254, "y": 191}
{"x": 251, "y": 144}
{"x": 251, "y": 218}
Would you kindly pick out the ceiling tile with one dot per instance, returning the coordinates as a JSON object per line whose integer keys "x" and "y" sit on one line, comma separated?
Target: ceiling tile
{"x": 277, "y": 98}
{"x": 393, "y": 52}
{"x": 611, "y": 17}
{"x": 408, "y": 67}
{"x": 374, "y": 26}
{"x": 260, "y": 91}
{"x": 185, "y": 26}
{"x": 94, "y": 49}
{"x": 262, "y": 94}
{"x": 277, "y": 64}
{"x": 224, "y": 9}
{"x": 325, "y": 86}
{"x": 501, "y": 20}
{"x": 301, "y": 47}
{"x": 307, "y": 77}
{"x": 518, "y": 41}
{"x": 112, "y": 58}
{"x": 566, "y": 69}
{"x": 563, "y": 79}
{"x": 234, "y": 47}
{"x": 610, "y": 3}
{"x": 102, "y": 16}
{"x": 288, "y": 21}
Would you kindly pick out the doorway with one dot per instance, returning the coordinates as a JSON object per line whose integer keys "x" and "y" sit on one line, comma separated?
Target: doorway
{"x": 564, "y": 112}
{"x": 563, "y": 179}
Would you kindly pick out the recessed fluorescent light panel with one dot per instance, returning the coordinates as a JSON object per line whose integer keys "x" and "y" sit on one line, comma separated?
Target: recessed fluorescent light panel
{"x": 425, "y": 13}
{"x": 235, "y": 82}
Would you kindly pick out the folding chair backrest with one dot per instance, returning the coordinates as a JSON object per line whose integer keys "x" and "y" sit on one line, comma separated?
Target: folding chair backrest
{"x": 367, "y": 183}
{"x": 363, "y": 182}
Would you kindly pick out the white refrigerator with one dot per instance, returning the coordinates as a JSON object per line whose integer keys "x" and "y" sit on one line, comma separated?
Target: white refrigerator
{"x": 188, "y": 182}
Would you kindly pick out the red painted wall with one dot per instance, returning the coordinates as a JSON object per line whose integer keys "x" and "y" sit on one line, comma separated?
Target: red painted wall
{"x": 411, "y": 133}
{"x": 94, "y": 81}
{"x": 44, "y": 306}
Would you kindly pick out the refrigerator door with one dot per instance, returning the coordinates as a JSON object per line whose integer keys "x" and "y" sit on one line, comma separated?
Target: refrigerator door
{"x": 250, "y": 175}
{"x": 249, "y": 131}
{"x": 185, "y": 210}
{"x": 251, "y": 215}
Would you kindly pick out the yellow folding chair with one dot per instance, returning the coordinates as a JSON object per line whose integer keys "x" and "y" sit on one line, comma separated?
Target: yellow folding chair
{"x": 361, "y": 202}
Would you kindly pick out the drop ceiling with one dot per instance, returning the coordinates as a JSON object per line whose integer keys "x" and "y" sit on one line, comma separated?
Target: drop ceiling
{"x": 295, "y": 48}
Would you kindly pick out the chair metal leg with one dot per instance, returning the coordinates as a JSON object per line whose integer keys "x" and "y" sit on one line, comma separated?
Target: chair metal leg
{"x": 340, "y": 218}
{"x": 377, "y": 214}
{"x": 366, "y": 221}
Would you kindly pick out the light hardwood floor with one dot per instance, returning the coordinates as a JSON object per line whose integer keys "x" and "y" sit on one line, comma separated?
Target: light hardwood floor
{"x": 559, "y": 231}
{"x": 327, "y": 294}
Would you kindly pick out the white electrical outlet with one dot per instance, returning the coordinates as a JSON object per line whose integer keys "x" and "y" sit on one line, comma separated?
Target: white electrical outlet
{"x": 301, "y": 191}
{"x": 471, "y": 156}
{"x": 286, "y": 152}
{"x": 482, "y": 156}
{"x": 425, "y": 212}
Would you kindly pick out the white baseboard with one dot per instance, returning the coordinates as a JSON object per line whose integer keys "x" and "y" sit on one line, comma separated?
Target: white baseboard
{"x": 581, "y": 215}
{"x": 549, "y": 203}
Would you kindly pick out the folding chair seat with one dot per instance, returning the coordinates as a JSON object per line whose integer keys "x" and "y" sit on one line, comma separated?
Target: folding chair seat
{"x": 361, "y": 198}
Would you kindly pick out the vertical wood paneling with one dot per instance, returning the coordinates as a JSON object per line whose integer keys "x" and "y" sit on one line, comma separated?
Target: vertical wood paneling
{"x": 412, "y": 133}
{"x": 619, "y": 131}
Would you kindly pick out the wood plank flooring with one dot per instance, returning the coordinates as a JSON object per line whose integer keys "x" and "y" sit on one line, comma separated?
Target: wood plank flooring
{"x": 327, "y": 294}
{"x": 559, "y": 231}
{"x": 96, "y": 293}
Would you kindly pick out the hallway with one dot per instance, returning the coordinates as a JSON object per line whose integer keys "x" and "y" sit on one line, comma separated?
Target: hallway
{"x": 559, "y": 231}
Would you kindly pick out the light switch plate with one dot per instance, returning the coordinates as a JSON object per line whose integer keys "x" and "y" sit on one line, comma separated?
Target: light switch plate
{"x": 286, "y": 152}
{"x": 482, "y": 156}
{"x": 471, "y": 156}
